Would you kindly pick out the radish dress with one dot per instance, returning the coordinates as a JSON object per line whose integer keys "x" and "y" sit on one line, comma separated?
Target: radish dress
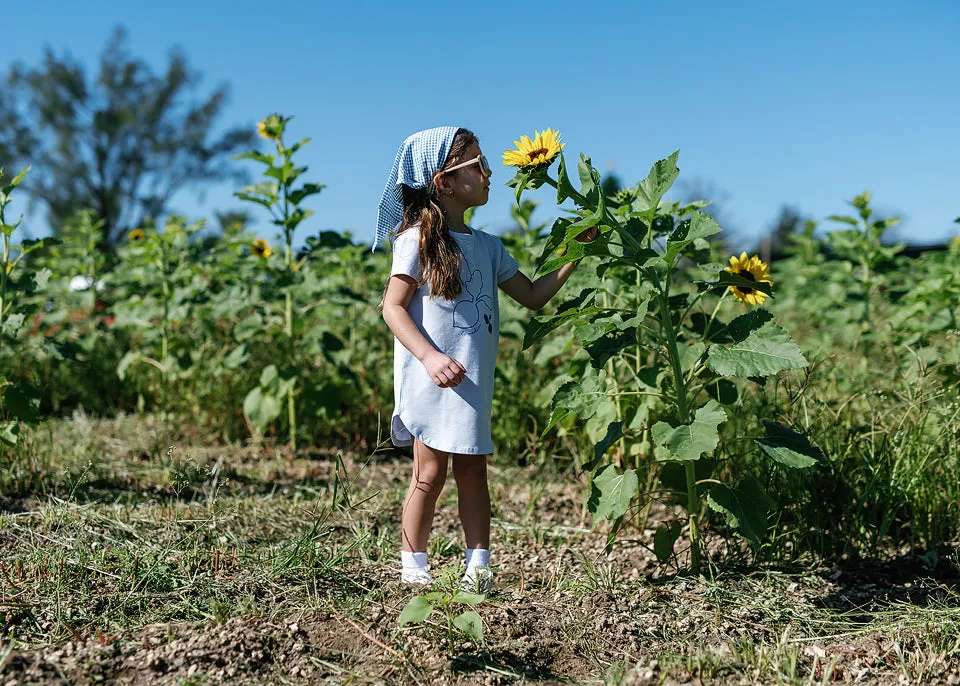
{"x": 455, "y": 420}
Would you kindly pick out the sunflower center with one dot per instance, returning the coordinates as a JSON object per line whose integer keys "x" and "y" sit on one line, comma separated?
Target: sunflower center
{"x": 534, "y": 154}
{"x": 749, "y": 277}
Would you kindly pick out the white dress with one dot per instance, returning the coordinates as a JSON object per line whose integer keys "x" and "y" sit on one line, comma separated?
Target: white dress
{"x": 455, "y": 420}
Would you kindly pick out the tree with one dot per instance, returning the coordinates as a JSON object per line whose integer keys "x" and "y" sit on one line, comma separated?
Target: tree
{"x": 121, "y": 144}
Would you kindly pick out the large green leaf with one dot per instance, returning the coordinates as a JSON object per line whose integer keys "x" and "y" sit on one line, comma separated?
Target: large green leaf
{"x": 21, "y": 405}
{"x": 12, "y": 323}
{"x": 699, "y": 225}
{"x": 661, "y": 177}
{"x": 788, "y": 447}
{"x": 584, "y": 397}
{"x": 690, "y": 441}
{"x": 261, "y": 408}
{"x": 614, "y": 432}
{"x": 663, "y": 540}
{"x": 764, "y": 352}
{"x": 612, "y": 492}
{"x": 572, "y": 310}
{"x": 745, "y": 508}
{"x": 469, "y": 622}
{"x": 416, "y": 610}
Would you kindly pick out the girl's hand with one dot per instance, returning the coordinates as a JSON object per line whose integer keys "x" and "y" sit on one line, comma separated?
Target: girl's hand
{"x": 588, "y": 236}
{"x": 444, "y": 371}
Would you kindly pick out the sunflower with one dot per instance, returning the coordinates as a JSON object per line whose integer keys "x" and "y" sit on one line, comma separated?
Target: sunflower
{"x": 753, "y": 269}
{"x": 136, "y": 235}
{"x": 271, "y": 127}
{"x": 261, "y": 248}
{"x": 537, "y": 153}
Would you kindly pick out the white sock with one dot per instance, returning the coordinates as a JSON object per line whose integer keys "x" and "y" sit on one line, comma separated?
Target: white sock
{"x": 413, "y": 560}
{"x": 477, "y": 557}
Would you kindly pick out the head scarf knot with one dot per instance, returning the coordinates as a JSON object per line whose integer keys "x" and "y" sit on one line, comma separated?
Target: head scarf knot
{"x": 418, "y": 159}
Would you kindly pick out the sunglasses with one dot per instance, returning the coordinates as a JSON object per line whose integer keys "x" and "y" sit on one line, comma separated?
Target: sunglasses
{"x": 479, "y": 159}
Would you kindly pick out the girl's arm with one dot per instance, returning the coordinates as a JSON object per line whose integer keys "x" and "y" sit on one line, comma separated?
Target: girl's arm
{"x": 445, "y": 371}
{"x": 536, "y": 294}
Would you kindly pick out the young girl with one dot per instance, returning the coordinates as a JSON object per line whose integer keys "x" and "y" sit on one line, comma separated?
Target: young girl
{"x": 441, "y": 304}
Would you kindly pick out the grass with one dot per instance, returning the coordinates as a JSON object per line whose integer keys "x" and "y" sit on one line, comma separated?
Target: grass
{"x": 130, "y": 552}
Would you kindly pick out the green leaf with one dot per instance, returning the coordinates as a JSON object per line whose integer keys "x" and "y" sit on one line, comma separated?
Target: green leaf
{"x": 255, "y": 155}
{"x": 843, "y": 219}
{"x": 664, "y": 539}
{"x": 726, "y": 279}
{"x": 22, "y": 406}
{"x": 690, "y": 441}
{"x": 764, "y": 352}
{"x": 612, "y": 492}
{"x": 745, "y": 508}
{"x": 416, "y": 610}
{"x": 724, "y": 391}
{"x": 10, "y": 432}
{"x": 261, "y": 408}
{"x": 565, "y": 189}
{"x": 700, "y": 225}
{"x": 661, "y": 177}
{"x": 237, "y": 357}
{"x": 307, "y": 190}
{"x": 571, "y": 310}
{"x": 469, "y": 622}
{"x": 788, "y": 447}
{"x": 468, "y": 598}
{"x": 614, "y": 432}
{"x": 582, "y": 398}
{"x": 13, "y": 323}
{"x": 16, "y": 180}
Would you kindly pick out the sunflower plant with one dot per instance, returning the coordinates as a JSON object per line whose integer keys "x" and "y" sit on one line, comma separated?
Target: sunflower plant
{"x": 156, "y": 274}
{"x": 658, "y": 370}
{"x": 283, "y": 199}
{"x": 19, "y": 402}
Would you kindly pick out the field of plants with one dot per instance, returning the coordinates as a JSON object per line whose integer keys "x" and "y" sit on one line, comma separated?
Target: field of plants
{"x": 709, "y": 468}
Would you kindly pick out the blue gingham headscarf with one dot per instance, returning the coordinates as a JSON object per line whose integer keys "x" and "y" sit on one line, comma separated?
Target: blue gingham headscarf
{"x": 418, "y": 159}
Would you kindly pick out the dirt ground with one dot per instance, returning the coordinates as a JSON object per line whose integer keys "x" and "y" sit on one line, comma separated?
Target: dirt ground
{"x": 562, "y": 611}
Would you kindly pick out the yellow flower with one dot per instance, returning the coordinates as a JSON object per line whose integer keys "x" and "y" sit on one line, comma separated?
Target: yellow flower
{"x": 261, "y": 247}
{"x": 271, "y": 127}
{"x": 753, "y": 269}
{"x": 9, "y": 267}
{"x": 137, "y": 235}
{"x": 539, "y": 152}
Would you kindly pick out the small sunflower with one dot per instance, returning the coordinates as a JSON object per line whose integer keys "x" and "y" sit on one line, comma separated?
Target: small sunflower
{"x": 136, "y": 235}
{"x": 536, "y": 153}
{"x": 261, "y": 248}
{"x": 271, "y": 127}
{"x": 753, "y": 269}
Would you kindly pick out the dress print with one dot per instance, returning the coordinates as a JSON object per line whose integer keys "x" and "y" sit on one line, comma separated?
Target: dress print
{"x": 474, "y": 309}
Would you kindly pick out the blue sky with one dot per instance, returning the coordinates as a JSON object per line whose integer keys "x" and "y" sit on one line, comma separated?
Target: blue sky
{"x": 806, "y": 104}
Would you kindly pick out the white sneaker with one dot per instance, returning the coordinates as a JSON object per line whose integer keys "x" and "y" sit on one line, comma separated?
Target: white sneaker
{"x": 413, "y": 575}
{"x": 477, "y": 580}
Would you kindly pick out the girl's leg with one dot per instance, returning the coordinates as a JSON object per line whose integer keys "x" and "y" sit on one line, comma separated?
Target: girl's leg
{"x": 470, "y": 472}
{"x": 429, "y": 474}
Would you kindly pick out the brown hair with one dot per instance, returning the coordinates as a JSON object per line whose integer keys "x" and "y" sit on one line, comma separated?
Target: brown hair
{"x": 439, "y": 253}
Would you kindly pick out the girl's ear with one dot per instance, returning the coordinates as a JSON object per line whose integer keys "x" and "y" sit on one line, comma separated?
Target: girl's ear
{"x": 441, "y": 182}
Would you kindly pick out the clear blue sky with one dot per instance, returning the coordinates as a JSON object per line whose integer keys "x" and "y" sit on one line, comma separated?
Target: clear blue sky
{"x": 800, "y": 103}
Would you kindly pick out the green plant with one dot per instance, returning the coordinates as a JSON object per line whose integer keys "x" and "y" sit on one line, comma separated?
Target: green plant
{"x": 447, "y": 599}
{"x": 657, "y": 369}
{"x": 19, "y": 400}
{"x": 280, "y": 197}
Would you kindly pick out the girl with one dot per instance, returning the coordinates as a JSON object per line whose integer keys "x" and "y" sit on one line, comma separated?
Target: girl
{"x": 441, "y": 304}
